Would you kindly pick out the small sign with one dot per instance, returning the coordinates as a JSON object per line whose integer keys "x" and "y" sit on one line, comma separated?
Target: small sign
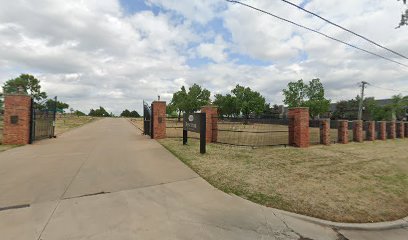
{"x": 191, "y": 122}
{"x": 14, "y": 119}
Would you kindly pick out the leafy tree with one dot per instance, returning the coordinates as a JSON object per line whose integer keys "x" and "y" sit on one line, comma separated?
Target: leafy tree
{"x": 227, "y": 105}
{"x": 398, "y": 106}
{"x": 60, "y": 105}
{"x": 79, "y": 113}
{"x": 190, "y": 101}
{"x": 101, "y": 112}
{"x": 299, "y": 94}
{"x": 127, "y": 113}
{"x": 248, "y": 101}
{"x": 1, "y": 102}
{"x": 295, "y": 94}
{"x": 317, "y": 103}
{"x": 28, "y": 83}
{"x": 404, "y": 17}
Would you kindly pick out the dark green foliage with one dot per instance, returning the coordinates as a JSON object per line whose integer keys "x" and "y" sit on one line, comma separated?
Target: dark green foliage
{"x": 248, "y": 101}
{"x": 101, "y": 112}
{"x": 227, "y": 105}
{"x": 79, "y": 113}
{"x": 60, "y": 105}
{"x": 190, "y": 101}
{"x": 127, "y": 113}
{"x": 299, "y": 94}
{"x": 29, "y": 85}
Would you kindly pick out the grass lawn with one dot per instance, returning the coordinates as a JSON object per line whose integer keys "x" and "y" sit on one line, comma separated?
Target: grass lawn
{"x": 357, "y": 182}
{"x": 68, "y": 122}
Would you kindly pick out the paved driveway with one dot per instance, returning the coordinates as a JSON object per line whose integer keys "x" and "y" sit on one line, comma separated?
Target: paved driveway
{"x": 106, "y": 181}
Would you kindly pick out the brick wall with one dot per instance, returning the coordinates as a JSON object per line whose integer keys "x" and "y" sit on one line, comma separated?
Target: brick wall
{"x": 358, "y": 131}
{"x": 17, "y": 107}
{"x": 325, "y": 131}
{"x": 299, "y": 127}
{"x": 342, "y": 128}
{"x": 211, "y": 123}
{"x": 159, "y": 119}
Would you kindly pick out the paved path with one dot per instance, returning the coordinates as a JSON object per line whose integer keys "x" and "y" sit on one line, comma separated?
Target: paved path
{"x": 107, "y": 181}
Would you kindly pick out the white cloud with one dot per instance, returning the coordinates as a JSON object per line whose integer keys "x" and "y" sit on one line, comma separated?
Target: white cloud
{"x": 91, "y": 54}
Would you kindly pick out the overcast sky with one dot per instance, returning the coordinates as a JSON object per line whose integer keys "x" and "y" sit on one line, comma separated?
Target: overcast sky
{"x": 115, "y": 53}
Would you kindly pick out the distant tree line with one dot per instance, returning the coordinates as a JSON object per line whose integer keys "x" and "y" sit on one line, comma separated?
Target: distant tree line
{"x": 130, "y": 114}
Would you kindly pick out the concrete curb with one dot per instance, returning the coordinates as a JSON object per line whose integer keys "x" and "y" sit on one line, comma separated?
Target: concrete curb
{"x": 401, "y": 223}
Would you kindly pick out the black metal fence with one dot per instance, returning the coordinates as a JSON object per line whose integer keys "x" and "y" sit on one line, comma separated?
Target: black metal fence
{"x": 255, "y": 132}
{"x": 42, "y": 120}
{"x": 147, "y": 119}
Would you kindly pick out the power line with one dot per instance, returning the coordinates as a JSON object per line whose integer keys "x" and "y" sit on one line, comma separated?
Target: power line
{"x": 343, "y": 28}
{"x": 320, "y": 33}
{"x": 388, "y": 89}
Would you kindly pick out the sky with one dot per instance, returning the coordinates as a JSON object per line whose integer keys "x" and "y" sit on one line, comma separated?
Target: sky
{"x": 117, "y": 53}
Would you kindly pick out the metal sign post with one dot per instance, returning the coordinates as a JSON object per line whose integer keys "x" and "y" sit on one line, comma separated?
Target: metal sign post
{"x": 195, "y": 122}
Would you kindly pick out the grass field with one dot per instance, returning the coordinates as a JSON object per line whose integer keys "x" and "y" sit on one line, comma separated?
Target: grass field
{"x": 357, "y": 182}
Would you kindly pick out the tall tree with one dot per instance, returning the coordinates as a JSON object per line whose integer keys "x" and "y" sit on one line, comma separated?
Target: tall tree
{"x": 248, "y": 101}
{"x": 299, "y": 94}
{"x": 190, "y": 101}
{"x": 404, "y": 17}
{"x": 101, "y": 112}
{"x": 60, "y": 105}
{"x": 29, "y": 85}
{"x": 227, "y": 105}
{"x": 317, "y": 103}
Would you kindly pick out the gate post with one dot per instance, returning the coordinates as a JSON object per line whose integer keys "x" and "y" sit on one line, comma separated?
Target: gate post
{"x": 391, "y": 131}
{"x": 382, "y": 127}
{"x": 299, "y": 127}
{"x": 212, "y": 123}
{"x": 17, "y": 119}
{"x": 370, "y": 131}
{"x": 358, "y": 131}
{"x": 158, "y": 120}
{"x": 400, "y": 130}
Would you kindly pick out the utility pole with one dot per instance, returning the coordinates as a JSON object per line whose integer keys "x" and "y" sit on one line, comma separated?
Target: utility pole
{"x": 360, "y": 106}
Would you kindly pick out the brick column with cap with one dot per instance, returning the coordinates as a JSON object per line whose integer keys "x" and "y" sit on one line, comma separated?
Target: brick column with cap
{"x": 391, "y": 131}
{"x": 17, "y": 118}
{"x": 159, "y": 119}
{"x": 370, "y": 131}
{"x": 382, "y": 128}
{"x": 400, "y": 130}
{"x": 325, "y": 131}
{"x": 342, "y": 127}
{"x": 299, "y": 127}
{"x": 211, "y": 123}
{"x": 358, "y": 131}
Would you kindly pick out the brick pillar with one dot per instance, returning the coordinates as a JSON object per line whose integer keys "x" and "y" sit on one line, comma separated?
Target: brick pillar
{"x": 391, "y": 131}
{"x": 406, "y": 129}
{"x": 159, "y": 119}
{"x": 342, "y": 127}
{"x": 299, "y": 127}
{"x": 382, "y": 128}
{"x": 370, "y": 131}
{"x": 358, "y": 131}
{"x": 325, "y": 132}
{"x": 17, "y": 117}
{"x": 400, "y": 130}
{"x": 212, "y": 123}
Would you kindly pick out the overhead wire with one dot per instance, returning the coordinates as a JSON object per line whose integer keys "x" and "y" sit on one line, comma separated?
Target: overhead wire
{"x": 318, "y": 32}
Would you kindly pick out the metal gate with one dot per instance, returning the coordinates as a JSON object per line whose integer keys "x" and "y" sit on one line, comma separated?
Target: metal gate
{"x": 42, "y": 121}
{"x": 147, "y": 119}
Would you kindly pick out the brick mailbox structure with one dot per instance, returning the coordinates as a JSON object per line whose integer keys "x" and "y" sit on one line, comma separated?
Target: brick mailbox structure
{"x": 325, "y": 132}
{"x": 400, "y": 130}
{"x": 211, "y": 113}
{"x": 17, "y": 117}
{"x": 159, "y": 120}
{"x": 370, "y": 131}
{"x": 358, "y": 131}
{"x": 299, "y": 127}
